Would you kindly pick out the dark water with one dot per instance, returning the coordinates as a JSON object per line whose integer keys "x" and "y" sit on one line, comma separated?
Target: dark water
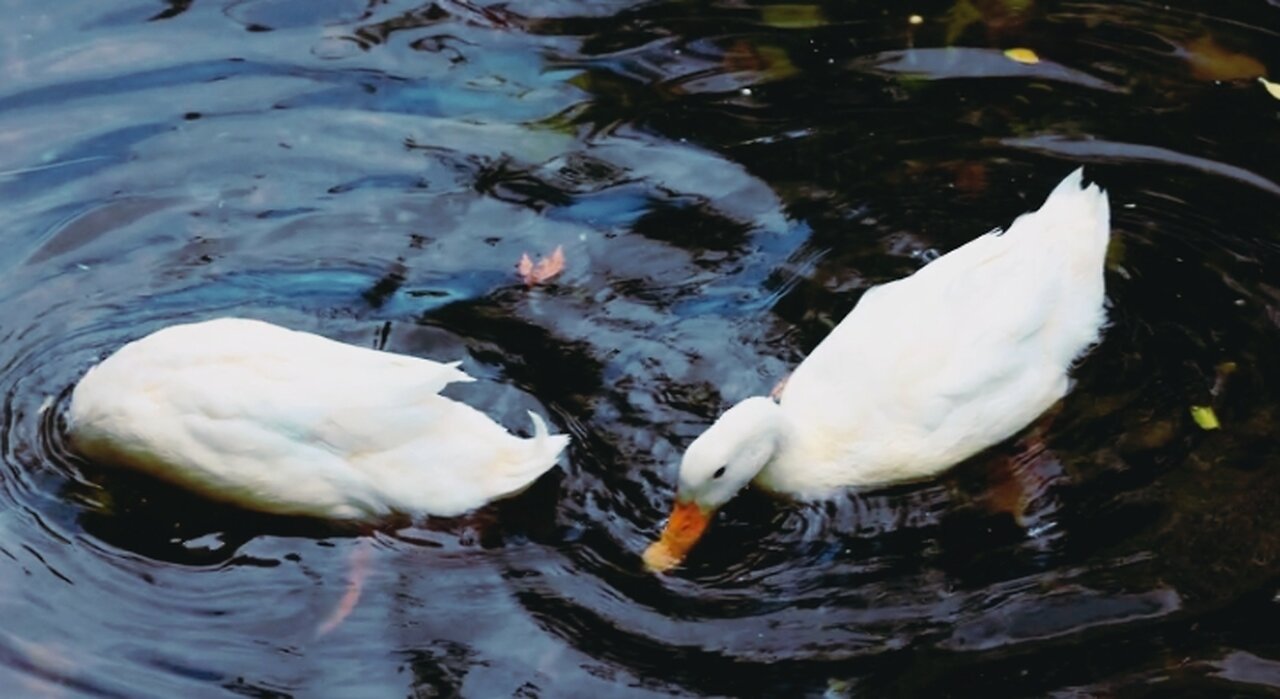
{"x": 726, "y": 179}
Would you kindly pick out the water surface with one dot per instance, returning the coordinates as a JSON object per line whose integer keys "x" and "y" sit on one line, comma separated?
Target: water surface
{"x": 726, "y": 179}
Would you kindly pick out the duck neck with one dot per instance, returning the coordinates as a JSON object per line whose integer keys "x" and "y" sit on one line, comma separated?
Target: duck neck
{"x": 783, "y": 432}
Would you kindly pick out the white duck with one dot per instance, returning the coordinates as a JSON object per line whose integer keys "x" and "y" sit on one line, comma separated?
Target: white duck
{"x": 923, "y": 373}
{"x": 288, "y": 422}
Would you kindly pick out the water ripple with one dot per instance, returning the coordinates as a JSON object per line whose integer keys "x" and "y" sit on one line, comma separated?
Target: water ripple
{"x": 725, "y": 183}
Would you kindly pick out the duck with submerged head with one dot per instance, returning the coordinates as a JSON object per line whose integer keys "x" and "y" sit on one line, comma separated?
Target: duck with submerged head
{"x": 291, "y": 423}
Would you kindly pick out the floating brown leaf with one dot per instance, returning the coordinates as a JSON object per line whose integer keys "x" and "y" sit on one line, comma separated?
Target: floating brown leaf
{"x": 769, "y": 62}
{"x": 543, "y": 270}
{"x": 962, "y": 15}
{"x": 1210, "y": 61}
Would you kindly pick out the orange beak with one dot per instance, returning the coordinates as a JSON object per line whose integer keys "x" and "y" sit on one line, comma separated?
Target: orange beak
{"x": 688, "y": 522}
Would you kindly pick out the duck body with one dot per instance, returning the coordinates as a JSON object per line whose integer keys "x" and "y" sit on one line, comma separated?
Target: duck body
{"x": 292, "y": 423}
{"x": 924, "y": 372}
{"x": 930, "y": 369}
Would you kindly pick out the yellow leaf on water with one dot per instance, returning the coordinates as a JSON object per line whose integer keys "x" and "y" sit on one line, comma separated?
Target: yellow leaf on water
{"x": 1272, "y": 88}
{"x": 1205, "y": 417}
{"x": 1023, "y": 56}
{"x": 792, "y": 16}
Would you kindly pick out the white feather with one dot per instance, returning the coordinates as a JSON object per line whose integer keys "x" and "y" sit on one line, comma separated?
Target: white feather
{"x": 928, "y": 370}
{"x": 289, "y": 422}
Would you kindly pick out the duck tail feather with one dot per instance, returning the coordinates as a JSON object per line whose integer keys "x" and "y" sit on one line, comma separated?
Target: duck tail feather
{"x": 542, "y": 456}
{"x": 458, "y": 375}
{"x": 545, "y": 442}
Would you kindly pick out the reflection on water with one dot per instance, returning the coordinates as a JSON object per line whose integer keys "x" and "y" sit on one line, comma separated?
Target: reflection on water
{"x": 725, "y": 179}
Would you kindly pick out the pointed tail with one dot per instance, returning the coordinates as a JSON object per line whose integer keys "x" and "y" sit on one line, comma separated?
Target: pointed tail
{"x": 1074, "y": 205}
{"x": 1075, "y": 229}
{"x": 545, "y": 444}
{"x": 543, "y": 453}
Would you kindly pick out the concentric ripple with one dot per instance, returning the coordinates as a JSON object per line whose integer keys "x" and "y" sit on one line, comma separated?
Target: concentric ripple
{"x": 725, "y": 180}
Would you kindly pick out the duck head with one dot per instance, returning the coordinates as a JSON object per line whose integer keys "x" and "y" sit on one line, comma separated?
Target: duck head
{"x": 716, "y": 466}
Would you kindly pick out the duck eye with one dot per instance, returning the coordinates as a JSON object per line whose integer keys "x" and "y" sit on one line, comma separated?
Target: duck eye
{"x": 719, "y": 472}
